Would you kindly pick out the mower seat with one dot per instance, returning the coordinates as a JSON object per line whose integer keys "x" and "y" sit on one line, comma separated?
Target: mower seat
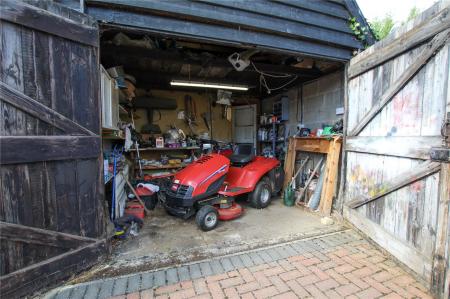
{"x": 243, "y": 154}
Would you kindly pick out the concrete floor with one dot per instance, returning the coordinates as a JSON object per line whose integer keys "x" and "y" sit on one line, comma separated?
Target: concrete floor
{"x": 166, "y": 240}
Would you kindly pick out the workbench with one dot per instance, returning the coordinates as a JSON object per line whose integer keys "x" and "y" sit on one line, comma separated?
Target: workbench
{"x": 155, "y": 153}
{"x": 331, "y": 147}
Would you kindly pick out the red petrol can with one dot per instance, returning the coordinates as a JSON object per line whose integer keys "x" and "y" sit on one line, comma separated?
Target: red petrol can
{"x": 135, "y": 208}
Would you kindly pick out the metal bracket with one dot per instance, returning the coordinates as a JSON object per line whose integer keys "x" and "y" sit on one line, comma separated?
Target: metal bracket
{"x": 441, "y": 154}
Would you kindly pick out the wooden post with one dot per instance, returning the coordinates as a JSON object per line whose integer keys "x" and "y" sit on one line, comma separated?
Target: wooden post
{"x": 330, "y": 180}
{"x": 440, "y": 277}
{"x": 343, "y": 168}
{"x": 289, "y": 163}
{"x": 440, "y": 271}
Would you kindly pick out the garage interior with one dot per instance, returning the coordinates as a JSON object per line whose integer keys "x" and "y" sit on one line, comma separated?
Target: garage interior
{"x": 308, "y": 92}
{"x": 98, "y": 97}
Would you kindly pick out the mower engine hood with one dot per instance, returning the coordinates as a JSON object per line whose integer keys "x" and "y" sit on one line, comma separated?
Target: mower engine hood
{"x": 202, "y": 173}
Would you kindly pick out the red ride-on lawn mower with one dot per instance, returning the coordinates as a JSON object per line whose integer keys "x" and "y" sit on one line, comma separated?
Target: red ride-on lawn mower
{"x": 208, "y": 187}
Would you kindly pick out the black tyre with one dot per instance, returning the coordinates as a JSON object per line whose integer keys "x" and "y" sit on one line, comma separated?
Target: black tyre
{"x": 207, "y": 218}
{"x": 260, "y": 198}
{"x": 150, "y": 201}
{"x": 170, "y": 213}
{"x": 269, "y": 182}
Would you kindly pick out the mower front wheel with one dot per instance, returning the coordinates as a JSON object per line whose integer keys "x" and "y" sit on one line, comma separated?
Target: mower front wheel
{"x": 260, "y": 198}
{"x": 207, "y": 218}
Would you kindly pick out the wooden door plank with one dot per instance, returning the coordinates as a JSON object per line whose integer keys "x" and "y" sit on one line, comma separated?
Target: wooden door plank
{"x": 43, "y": 20}
{"x": 26, "y": 149}
{"x": 24, "y": 281}
{"x": 418, "y": 262}
{"x": 429, "y": 51}
{"x": 411, "y": 147}
{"x": 40, "y": 111}
{"x": 406, "y": 41}
{"x": 34, "y": 235}
{"x": 400, "y": 181}
{"x": 441, "y": 253}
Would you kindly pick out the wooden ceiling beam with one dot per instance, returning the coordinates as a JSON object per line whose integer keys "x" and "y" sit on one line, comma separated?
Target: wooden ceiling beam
{"x": 123, "y": 55}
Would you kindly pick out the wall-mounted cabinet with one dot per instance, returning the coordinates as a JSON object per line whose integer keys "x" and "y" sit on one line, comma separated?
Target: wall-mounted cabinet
{"x": 110, "y": 101}
{"x": 281, "y": 108}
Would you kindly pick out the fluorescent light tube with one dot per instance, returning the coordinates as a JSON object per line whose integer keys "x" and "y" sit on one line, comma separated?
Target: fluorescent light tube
{"x": 207, "y": 85}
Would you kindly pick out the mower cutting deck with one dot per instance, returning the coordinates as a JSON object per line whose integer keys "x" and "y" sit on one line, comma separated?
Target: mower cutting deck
{"x": 208, "y": 187}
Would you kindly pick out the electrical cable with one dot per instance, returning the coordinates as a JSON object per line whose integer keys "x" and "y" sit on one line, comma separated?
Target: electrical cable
{"x": 263, "y": 82}
{"x": 270, "y": 75}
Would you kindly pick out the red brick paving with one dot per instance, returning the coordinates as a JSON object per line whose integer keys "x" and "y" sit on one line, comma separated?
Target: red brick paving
{"x": 339, "y": 273}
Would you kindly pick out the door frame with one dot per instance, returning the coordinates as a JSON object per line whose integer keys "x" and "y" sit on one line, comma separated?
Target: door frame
{"x": 233, "y": 129}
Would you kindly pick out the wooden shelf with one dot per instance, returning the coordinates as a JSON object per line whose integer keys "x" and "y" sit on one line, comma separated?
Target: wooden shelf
{"x": 112, "y": 137}
{"x": 314, "y": 144}
{"x": 270, "y": 125}
{"x": 166, "y": 148}
{"x": 331, "y": 147}
{"x": 150, "y": 167}
{"x": 270, "y": 141}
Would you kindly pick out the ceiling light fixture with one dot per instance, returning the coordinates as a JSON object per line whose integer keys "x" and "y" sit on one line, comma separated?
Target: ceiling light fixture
{"x": 208, "y": 85}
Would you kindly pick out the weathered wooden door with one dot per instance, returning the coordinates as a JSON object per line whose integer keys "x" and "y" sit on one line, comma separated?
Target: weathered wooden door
{"x": 51, "y": 209}
{"x": 398, "y": 109}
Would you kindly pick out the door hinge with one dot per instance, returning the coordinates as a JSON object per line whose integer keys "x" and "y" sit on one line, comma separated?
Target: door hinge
{"x": 441, "y": 154}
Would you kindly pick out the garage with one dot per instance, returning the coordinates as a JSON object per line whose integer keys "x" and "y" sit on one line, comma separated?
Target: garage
{"x": 229, "y": 96}
{"x": 169, "y": 133}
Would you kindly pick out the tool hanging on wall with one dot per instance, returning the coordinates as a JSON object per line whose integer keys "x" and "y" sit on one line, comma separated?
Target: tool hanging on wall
{"x": 207, "y": 119}
{"x": 190, "y": 112}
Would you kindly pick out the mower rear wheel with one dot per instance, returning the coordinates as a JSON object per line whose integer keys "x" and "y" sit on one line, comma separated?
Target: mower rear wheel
{"x": 260, "y": 198}
{"x": 207, "y": 218}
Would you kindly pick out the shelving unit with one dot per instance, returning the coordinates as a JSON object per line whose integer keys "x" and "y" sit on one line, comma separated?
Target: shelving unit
{"x": 268, "y": 133}
{"x": 276, "y": 139}
{"x": 165, "y": 148}
{"x": 150, "y": 167}
{"x": 153, "y": 152}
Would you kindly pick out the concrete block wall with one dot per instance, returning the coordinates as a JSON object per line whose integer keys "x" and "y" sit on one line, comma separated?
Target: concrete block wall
{"x": 321, "y": 97}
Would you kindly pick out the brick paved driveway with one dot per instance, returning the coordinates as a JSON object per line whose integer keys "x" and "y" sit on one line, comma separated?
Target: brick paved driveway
{"x": 338, "y": 265}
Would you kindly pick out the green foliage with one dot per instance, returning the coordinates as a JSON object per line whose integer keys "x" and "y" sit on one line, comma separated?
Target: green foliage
{"x": 382, "y": 27}
{"x": 412, "y": 14}
{"x": 360, "y": 32}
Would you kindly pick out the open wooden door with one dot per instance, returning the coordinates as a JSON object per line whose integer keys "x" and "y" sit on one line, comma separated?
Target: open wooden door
{"x": 52, "y": 222}
{"x": 397, "y": 112}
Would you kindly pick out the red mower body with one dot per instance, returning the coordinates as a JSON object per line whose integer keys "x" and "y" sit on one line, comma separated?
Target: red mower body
{"x": 201, "y": 173}
{"x": 241, "y": 180}
{"x": 233, "y": 212}
{"x": 212, "y": 181}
